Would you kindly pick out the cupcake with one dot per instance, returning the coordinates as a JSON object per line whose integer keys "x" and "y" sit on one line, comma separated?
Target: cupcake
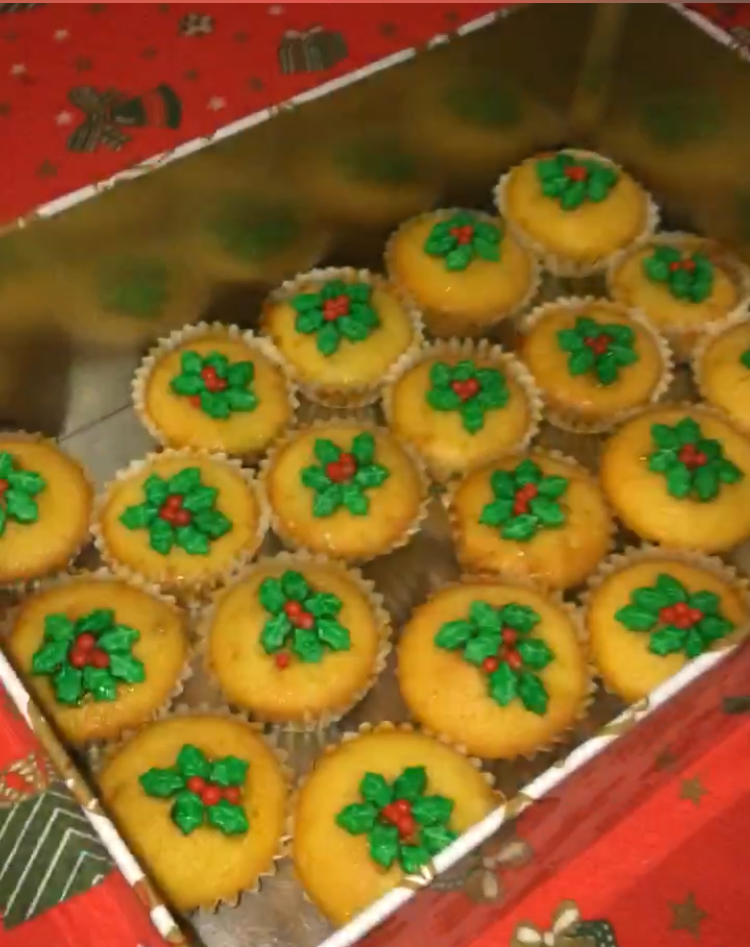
{"x": 201, "y": 801}
{"x": 180, "y": 519}
{"x": 680, "y": 475}
{"x": 493, "y": 667}
{"x": 376, "y": 808}
{"x": 462, "y": 269}
{"x": 371, "y": 181}
{"x": 213, "y": 387}
{"x": 575, "y": 208}
{"x": 650, "y": 611}
{"x": 683, "y": 284}
{"x": 340, "y": 331}
{"x": 538, "y": 516}
{"x": 344, "y": 489}
{"x": 101, "y": 655}
{"x": 237, "y": 235}
{"x": 462, "y": 404}
{"x": 45, "y": 508}
{"x": 722, "y": 368}
{"x": 297, "y": 641}
{"x": 595, "y": 361}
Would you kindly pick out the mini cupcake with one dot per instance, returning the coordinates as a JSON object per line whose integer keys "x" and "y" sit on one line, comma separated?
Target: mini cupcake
{"x": 538, "y": 516}
{"x": 297, "y": 641}
{"x": 364, "y": 182}
{"x": 575, "y": 208}
{"x": 201, "y": 801}
{"x": 493, "y": 667}
{"x": 650, "y": 611}
{"x": 46, "y": 501}
{"x": 347, "y": 490}
{"x": 180, "y": 519}
{"x": 377, "y": 808}
{"x": 462, "y": 269}
{"x": 680, "y": 475}
{"x": 340, "y": 331}
{"x": 236, "y": 235}
{"x": 683, "y": 284}
{"x": 722, "y": 368}
{"x": 462, "y": 404}
{"x": 595, "y": 361}
{"x": 101, "y": 655}
{"x": 213, "y": 387}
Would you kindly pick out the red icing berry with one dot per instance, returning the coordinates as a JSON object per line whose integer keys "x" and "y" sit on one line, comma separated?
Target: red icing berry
{"x": 490, "y": 664}
{"x": 79, "y": 659}
{"x": 513, "y": 659}
{"x": 520, "y": 506}
{"x": 465, "y": 389}
{"x": 305, "y": 621}
{"x": 391, "y": 813}
{"x": 667, "y": 615}
{"x": 196, "y": 784}
{"x": 85, "y": 642}
{"x": 402, "y": 806}
{"x": 576, "y": 172}
{"x": 182, "y": 518}
{"x": 406, "y": 825}
{"x": 695, "y": 615}
{"x": 335, "y": 472}
{"x": 99, "y": 658}
{"x": 692, "y": 457}
{"x": 530, "y": 490}
{"x": 174, "y": 502}
{"x": 232, "y": 794}
{"x": 463, "y": 234}
{"x": 335, "y": 308}
{"x": 208, "y": 374}
{"x": 688, "y": 265}
{"x": 282, "y": 660}
{"x": 195, "y": 401}
{"x": 211, "y": 795}
{"x": 3, "y": 486}
{"x": 510, "y": 636}
{"x": 293, "y": 609}
{"x": 348, "y": 464}
{"x": 675, "y": 265}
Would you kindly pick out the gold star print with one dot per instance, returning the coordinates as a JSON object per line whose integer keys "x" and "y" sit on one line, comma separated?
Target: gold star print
{"x": 687, "y": 916}
{"x": 694, "y": 790}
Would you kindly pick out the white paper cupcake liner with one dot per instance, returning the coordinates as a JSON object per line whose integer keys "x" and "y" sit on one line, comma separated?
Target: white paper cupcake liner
{"x": 178, "y": 339}
{"x": 104, "y": 575}
{"x": 568, "y": 419}
{"x": 185, "y": 591}
{"x": 291, "y": 541}
{"x": 559, "y": 265}
{"x": 451, "y": 323}
{"x": 343, "y": 395}
{"x": 20, "y": 586}
{"x": 684, "y": 339}
{"x": 457, "y": 349}
{"x": 311, "y": 723}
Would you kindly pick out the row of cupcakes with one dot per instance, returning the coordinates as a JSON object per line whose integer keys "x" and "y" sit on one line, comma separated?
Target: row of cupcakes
{"x": 497, "y": 668}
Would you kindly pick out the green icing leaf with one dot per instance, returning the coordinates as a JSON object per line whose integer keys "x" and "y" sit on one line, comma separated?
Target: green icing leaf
{"x": 58, "y": 628}
{"x": 535, "y": 653}
{"x": 100, "y": 683}
{"x": 229, "y": 771}
{"x": 333, "y": 634}
{"x": 503, "y": 685}
{"x": 187, "y": 812}
{"x": 68, "y": 684}
{"x": 413, "y": 857}
{"x": 127, "y": 668}
{"x": 357, "y": 818}
{"x": 307, "y": 645}
{"x": 482, "y": 647}
{"x": 193, "y": 762}
{"x": 432, "y": 810}
{"x": 49, "y": 657}
{"x": 228, "y": 818}
{"x": 271, "y": 595}
{"x": 411, "y": 783}
{"x": 161, "y": 783}
{"x": 294, "y": 585}
{"x": 275, "y": 632}
{"x": 437, "y": 837}
{"x": 532, "y": 692}
{"x": 375, "y": 789}
{"x": 520, "y": 617}
{"x": 453, "y": 634}
{"x": 384, "y": 844}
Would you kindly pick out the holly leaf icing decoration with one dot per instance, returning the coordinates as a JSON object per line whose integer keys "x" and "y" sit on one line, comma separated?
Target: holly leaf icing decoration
{"x": 88, "y": 656}
{"x": 499, "y": 641}
{"x": 693, "y": 466}
{"x": 338, "y": 312}
{"x": 599, "y": 348}
{"x": 135, "y": 287}
{"x": 204, "y": 792}
{"x": 688, "y": 276}
{"x": 401, "y": 823}
{"x": 178, "y": 511}
{"x": 304, "y": 620}
{"x": 525, "y": 502}
{"x": 463, "y": 238}
{"x": 467, "y": 389}
{"x": 343, "y": 478}
{"x": 18, "y": 491}
{"x": 572, "y": 181}
{"x": 677, "y": 621}
{"x": 254, "y": 232}
{"x": 745, "y": 358}
{"x": 215, "y": 385}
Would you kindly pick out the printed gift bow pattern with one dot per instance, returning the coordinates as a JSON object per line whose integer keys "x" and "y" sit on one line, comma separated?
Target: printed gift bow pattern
{"x": 568, "y": 930}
